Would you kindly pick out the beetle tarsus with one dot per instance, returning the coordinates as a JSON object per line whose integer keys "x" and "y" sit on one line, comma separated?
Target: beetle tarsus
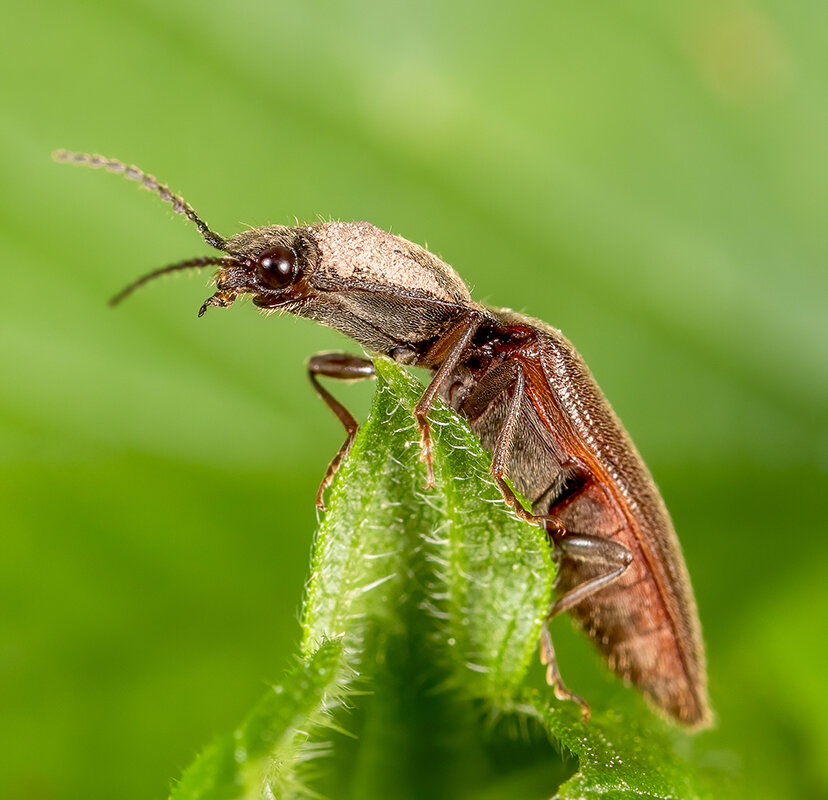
{"x": 426, "y": 454}
{"x": 562, "y": 693}
{"x": 553, "y": 674}
{"x": 554, "y": 527}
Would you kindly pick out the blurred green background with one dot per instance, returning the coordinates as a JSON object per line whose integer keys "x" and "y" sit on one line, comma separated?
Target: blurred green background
{"x": 652, "y": 178}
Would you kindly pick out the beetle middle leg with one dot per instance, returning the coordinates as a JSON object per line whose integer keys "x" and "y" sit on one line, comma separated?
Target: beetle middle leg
{"x": 502, "y": 378}
{"x": 343, "y": 367}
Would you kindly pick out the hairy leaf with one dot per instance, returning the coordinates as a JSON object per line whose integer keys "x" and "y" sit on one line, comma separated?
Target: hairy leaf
{"x": 420, "y": 627}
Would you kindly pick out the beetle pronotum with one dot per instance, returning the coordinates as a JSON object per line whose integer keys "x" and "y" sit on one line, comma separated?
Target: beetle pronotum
{"x": 526, "y": 394}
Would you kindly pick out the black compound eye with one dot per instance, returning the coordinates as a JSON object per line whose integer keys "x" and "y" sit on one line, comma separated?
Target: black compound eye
{"x": 276, "y": 267}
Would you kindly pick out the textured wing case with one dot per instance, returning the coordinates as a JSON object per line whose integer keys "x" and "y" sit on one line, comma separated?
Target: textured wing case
{"x": 573, "y": 458}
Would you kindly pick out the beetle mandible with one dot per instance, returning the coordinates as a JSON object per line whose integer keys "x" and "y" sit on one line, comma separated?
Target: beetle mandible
{"x": 526, "y": 394}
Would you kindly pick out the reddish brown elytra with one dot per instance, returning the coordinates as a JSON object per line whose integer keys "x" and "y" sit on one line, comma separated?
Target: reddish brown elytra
{"x": 527, "y": 395}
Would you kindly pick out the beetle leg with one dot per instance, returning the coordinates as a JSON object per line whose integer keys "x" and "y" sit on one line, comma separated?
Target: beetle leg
{"x": 493, "y": 383}
{"x": 610, "y": 557}
{"x": 509, "y": 375}
{"x": 453, "y": 343}
{"x": 553, "y": 674}
{"x": 503, "y": 447}
{"x": 344, "y": 367}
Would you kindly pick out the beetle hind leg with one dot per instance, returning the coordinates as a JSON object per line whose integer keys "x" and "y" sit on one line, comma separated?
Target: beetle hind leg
{"x": 610, "y": 560}
{"x": 598, "y": 562}
{"x": 553, "y": 674}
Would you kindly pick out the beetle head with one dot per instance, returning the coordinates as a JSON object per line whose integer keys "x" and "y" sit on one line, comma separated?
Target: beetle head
{"x": 272, "y": 264}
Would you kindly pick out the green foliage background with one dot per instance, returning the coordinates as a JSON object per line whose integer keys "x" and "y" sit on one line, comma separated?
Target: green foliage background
{"x": 650, "y": 177}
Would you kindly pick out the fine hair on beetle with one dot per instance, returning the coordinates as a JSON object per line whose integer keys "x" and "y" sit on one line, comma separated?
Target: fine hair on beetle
{"x": 528, "y": 397}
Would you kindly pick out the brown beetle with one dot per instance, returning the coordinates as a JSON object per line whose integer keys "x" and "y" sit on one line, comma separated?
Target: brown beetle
{"x": 527, "y": 395}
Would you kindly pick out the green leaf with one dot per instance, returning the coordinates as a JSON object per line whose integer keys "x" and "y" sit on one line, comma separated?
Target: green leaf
{"x": 482, "y": 578}
{"x": 620, "y": 756}
{"x": 420, "y": 632}
{"x": 266, "y": 748}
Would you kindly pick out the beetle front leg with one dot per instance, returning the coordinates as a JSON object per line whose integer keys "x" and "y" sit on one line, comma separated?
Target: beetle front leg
{"x": 343, "y": 367}
{"x": 453, "y": 343}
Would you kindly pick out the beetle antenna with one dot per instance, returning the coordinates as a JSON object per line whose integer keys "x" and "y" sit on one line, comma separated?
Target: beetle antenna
{"x": 180, "y": 206}
{"x": 190, "y": 263}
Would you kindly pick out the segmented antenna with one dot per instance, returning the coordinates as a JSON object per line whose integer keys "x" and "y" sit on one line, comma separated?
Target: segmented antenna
{"x": 190, "y": 263}
{"x": 180, "y": 206}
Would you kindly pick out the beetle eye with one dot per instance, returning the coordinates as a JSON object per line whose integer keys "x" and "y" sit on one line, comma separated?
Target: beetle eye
{"x": 276, "y": 267}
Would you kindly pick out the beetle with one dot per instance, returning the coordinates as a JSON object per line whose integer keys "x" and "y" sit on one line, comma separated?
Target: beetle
{"x": 526, "y": 394}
